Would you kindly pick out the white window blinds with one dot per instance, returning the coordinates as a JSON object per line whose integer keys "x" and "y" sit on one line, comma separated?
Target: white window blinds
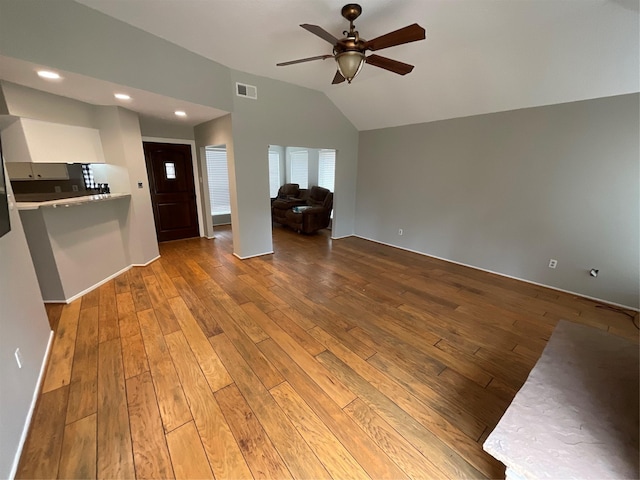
{"x": 300, "y": 168}
{"x": 274, "y": 173}
{"x": 218, "y": 180}
{"x": 327, "y": 169}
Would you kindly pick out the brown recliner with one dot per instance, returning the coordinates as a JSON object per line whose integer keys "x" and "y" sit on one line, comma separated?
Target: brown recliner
{"x": 289, "y": 195}
{"x": 313, "y": 216}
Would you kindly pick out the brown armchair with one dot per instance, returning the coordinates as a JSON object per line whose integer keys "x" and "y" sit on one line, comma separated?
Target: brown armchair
{"x": 289, "y": 195}
{"x": 314, "y": 215}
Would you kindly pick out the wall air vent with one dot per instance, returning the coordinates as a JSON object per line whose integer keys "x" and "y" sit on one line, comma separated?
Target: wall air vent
{"x": 247, "y": 91}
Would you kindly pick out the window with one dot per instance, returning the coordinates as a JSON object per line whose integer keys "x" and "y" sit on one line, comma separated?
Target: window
{"x": 274, "y": 173}
{"x": 87, "y": 175}
{"x": 300, "y": 168}
{"x": 170, "y": 170}
{"x": 327, "y": 169}
{"x": 218, "y": 180}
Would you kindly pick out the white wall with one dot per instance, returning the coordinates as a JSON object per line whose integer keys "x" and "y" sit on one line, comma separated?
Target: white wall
{"x": 122, "y": 143}
{"x": 24, "y": 325}
{"x": 509, "y": 191}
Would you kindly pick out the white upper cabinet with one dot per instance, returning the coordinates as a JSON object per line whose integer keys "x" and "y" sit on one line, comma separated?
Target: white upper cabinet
{"x": 37, "y": 171}
{"x": 28, "y": 140}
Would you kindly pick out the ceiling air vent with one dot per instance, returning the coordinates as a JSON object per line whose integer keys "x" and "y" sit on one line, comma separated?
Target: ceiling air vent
{"x": 247, "y": 91}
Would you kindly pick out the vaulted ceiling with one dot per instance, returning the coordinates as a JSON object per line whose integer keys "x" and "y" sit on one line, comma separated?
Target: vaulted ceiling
{"x": 480, "y": 56}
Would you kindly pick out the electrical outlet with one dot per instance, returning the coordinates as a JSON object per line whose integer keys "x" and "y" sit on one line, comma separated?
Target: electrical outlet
{"x": 74, "y": 188}
{"x": 553, "y": 263}
{"x": 400, "y": 231}
{"x": 18, "y": 357}
{"x": 57, "y": 188}
{"x": 139, "y": 184}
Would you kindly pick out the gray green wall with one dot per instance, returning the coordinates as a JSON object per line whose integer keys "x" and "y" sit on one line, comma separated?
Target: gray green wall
{"x": 67, "y": 35}
{"x": 153, "y": 127}
{"x": 23, "y": 325}
{"x": 283, "y": 114}
{"x": 286, "y": 114}
{"x": 70, "y": 36}
{"x": 215, "y": 132}
{"x": 506, "y": 192}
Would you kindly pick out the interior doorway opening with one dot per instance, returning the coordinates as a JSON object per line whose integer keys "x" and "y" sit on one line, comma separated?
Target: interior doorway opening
{"x": 306, "y": 167}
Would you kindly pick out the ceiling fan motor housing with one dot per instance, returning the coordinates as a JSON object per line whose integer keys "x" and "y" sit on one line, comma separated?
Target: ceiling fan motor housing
{"x": 351, "y": 11}
{"x": 351, "y": 43}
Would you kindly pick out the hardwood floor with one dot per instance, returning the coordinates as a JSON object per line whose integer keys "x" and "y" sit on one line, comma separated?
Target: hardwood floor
{"x": 328, "y": 359}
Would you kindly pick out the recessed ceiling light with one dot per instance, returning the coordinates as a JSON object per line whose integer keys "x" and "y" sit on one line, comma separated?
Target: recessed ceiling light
{"x": 48, "y": 74}
{"x": 122, "y": 96}
{"x": 180, "y": 113}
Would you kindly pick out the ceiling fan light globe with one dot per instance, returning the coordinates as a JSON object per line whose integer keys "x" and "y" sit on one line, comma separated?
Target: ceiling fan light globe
{"x": 350, "y": 63}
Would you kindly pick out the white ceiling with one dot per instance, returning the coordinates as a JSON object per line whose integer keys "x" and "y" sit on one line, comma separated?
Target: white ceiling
{"x": 480, "y": 56}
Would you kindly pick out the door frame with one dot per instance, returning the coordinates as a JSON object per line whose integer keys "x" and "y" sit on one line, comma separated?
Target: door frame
{"x": 197, "y": 179}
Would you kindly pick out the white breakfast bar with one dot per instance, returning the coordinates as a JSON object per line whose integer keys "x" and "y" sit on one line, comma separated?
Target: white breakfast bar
{"x": 76, "y": 243}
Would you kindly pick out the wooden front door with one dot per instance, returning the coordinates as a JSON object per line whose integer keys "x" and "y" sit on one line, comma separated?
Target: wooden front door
{"x": 173, "y": 193}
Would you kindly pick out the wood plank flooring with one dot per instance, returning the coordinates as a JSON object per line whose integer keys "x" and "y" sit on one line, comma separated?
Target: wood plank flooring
{"x": 329, "y": 359}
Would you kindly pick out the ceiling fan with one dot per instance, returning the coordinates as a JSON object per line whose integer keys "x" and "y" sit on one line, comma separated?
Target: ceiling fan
{"x": 349, "y": 52}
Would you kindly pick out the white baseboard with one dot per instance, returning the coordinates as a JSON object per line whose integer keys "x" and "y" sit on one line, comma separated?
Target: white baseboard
{"x": 607, "y": 302}
{"x": 252, "y": 256}
{"x": 32, "y": 407}
{"x": 144, "y": 264}
{"x": 102, "y": 282}
{"x": 93, "y": 287}
{"x": 345, "y": 236}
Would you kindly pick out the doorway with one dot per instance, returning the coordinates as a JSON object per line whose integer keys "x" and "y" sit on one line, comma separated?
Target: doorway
{"x": 173, "y": 194}
{"x": 305, "y": 166}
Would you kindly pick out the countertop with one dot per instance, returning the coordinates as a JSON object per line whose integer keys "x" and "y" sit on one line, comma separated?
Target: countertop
{"x": 577, "y": 414}
{"x": 69, "y": 202}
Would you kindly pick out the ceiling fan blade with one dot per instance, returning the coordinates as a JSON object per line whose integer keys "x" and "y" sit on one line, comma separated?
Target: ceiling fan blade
{"x": 389, "y": 64}
{"x": 408, "y": 34}
{"x": 302, "y": 60}
{"x": 320, "y": 32}
{"x": 338, "y": 78}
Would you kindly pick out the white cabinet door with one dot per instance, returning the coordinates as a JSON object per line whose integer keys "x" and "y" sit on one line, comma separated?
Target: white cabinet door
{"x": 19, "y": 171}
{"x": 37, "y": 171}
{"x": 50, "y": 171}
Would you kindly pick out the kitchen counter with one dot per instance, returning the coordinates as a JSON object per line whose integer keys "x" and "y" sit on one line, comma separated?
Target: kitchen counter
{"x": 72, "y": 201}
{"x": 77, "y": 243}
